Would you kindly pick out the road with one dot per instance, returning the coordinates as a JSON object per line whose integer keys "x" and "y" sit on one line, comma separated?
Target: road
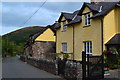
{"x": 14, "y": 68}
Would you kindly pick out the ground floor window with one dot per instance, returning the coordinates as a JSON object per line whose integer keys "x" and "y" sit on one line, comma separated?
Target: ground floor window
{"x": 64, "y": 47}
{"x": 88, "y": 47}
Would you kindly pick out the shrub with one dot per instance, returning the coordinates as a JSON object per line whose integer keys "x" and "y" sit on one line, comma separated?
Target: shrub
{"x": 66, "y": 56}
{"x": 110, "y": 59}
{"x": 118, "y": 57}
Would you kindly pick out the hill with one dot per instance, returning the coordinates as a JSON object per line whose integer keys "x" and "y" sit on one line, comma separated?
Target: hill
{"x": 13, "y": 42}
{"x": 21, "y": 35}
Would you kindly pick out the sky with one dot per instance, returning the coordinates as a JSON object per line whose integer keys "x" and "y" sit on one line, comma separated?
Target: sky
{"x": 14, "y": 14}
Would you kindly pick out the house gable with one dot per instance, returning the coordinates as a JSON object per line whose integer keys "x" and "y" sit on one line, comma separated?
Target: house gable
{"x": 111, "y": 25}
{"x": 47, "y": 35}
{"x": 68, "y": 16}
{"x": 117, "y": 19}
{"x": 86, "y": 10}
{"x": 61, "y": 23}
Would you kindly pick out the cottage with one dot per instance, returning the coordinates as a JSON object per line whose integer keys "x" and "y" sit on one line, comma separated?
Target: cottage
{"x": 41, "y": 43}
{"x": 93, "y": 29}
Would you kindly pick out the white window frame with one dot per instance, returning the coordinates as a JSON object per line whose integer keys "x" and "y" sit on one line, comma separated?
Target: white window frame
{"x": 64, "y": 27}
{"x": 88, "y": 47}
{"x": 87, "y": 19}
{"x": 64, "y": 47}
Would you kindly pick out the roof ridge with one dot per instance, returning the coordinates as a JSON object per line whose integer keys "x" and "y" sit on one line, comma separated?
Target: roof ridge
{"x": 65, "y": 13}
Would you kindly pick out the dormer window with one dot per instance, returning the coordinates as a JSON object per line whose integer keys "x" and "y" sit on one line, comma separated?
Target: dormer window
{"x": 64, "y": 27}
{"x": 87, "y": 19}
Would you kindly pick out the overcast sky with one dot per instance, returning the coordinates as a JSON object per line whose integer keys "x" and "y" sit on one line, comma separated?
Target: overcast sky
{"x": 14, "y": 14}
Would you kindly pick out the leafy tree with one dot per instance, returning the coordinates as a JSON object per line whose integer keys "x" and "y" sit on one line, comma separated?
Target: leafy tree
{"x": 13, "y": 43}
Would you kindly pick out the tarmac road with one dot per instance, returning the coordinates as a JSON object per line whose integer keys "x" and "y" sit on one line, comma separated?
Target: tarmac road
{"x": 14, "y": 68}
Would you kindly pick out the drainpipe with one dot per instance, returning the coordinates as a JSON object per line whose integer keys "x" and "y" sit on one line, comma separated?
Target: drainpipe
{"x": 73, "y": 42}
{"x": 56, "y": 42}
{"x": 102, "y": 47}
{"x": 102, "y": 32}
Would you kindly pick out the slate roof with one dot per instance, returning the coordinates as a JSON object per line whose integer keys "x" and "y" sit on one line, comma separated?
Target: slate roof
{"x": 106, "y": 7}
{"x": 76, "y": 20}
{"x": 68, "y": 16}
{"x": 76, "y": 12}
{"x": 42, "y": 29}
{"x": 93, "y": 7}
{"x": 53, "y": 29}
{"x": 115, "y": 40}
{"x": 57, "y": 25}
{"x": 39, "y": 33}
{"x": 34, "y": 36}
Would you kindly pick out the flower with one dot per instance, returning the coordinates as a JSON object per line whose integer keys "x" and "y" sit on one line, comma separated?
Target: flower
{"x": 61, "y": 51}
{"x": 107, "y": 52}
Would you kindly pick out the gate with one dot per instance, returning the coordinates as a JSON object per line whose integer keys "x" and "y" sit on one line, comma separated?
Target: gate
{"x": 93, "y": 67}
{"x": 61, "y": 66}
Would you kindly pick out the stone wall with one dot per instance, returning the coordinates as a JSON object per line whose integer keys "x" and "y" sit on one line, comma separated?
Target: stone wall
{"x": 28, "y": 50}
{"x": 40, "y": 48}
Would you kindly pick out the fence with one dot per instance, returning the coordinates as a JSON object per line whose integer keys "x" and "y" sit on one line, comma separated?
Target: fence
{"x": 95, "y": 67}
{"x": 49, "y": 66}
{"x": 23, "y": 58}
{"x": 71, "y": 71}
{"x": 92, "y": 69}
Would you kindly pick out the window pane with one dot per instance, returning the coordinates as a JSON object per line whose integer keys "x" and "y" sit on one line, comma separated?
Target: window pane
{"x": 88, "y": 18}
{"x": 85, "y": 19}
{"x": 85, "y": 46}
{"x": 64, "y": 27}
{"x": 90, "y": 47}
{"x": 64, "y": 47}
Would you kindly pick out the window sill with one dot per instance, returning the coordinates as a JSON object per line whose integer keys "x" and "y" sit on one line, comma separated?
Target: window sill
{"x": 63, "y": 30}
{"x": 64, "y": 53}
{"x": 89, "y": 53}
{"x": 86, "y": 25}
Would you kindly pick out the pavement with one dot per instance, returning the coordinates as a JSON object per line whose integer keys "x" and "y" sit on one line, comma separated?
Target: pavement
{"x": 15, "y": 68}
{"x": 114, "y": 75}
